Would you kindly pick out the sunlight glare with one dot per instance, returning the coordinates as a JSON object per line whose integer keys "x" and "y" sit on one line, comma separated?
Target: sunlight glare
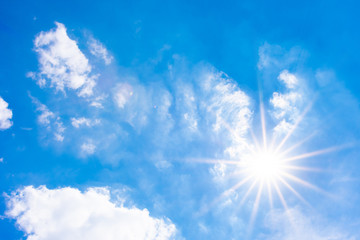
{"x": 265, "y": 165}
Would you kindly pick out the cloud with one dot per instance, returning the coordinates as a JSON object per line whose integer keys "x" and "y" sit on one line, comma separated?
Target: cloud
{"x": 99, "y": 50}
{"x": 227, "y": 109}
{"x": 288, "y": 106}
{"x": 78, "y": 122}
{"x": 62, "y": 63}
{"x": 122, "y": 94}
{"x": 49, "y": 120}
{"x": 88, "y": 148}
{"x": 292, "y": 224}
{"x": 289, "y": 79}
{"x": 275, "y": 57}
{"x": 5, "y": 115}
{"x": 69, "y": 214}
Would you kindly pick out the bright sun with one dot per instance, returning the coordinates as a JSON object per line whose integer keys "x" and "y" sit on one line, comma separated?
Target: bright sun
{"x": 269, "y": 168}
{"x": 265, "y": 165}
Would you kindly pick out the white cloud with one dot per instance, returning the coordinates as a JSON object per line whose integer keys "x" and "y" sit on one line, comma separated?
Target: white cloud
{"x": 62, "y": 63}
{"x": 78, "y": 122}
{"x": 292, "y": 224}
{"x": 1, "y": 160}
{"x": 228, "y": 109}
{"x": 68, "y": 214}
{"x": 287, "y": 106}
{"x": 88, "y": 148}
{"x": 49, "y": 120}
{"x": 98, "y": 50}
{"x": 5, "y": 115}
{"x": 289, "y": 79}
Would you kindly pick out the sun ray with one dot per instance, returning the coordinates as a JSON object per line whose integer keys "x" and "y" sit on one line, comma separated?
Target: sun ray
{"x": 256, "y": 205}
{"x": 223, "y": 195}
{"x": 214, "y": 161}
{"x": 263, "y": 125}
{"x": 239, "y": 184}
{"x": 309, "y": 169}
{"x": 304, "y": 183}
{"x": 294, "y": 191}
{"x": 269, "y": 194}
{"x": 298, "y": 144}
{"x": 256, "y": 142}
{"x": 237, "y": 137}
{"x": 248, "y": 192}
{"x": 288, "y": 135}
{"x": 282, "y": 199}
{"x": 312, "y": 154}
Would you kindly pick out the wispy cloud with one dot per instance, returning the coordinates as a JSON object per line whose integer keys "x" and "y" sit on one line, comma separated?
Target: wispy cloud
{"x": 49, "y": 120}
{"x": 99, "y": 50}
{"x": 295, "y": 225}
{"x": 5, "y": 115}
{"x": 69, "y": 214}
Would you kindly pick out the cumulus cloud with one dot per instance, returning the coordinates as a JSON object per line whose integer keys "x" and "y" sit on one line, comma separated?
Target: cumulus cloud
{"x": 293, "y": 224}
{"x": 49, "y": 120}
{"x": 69, "y": 214}
{"x": 5, "y": 115}
{"x": 62, "y": 63}
{"x": 78, "y": 122}
{"x": 99, "y": 50}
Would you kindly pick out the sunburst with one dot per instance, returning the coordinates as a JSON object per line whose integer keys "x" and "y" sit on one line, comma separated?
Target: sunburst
{"x": 269, "y": 168}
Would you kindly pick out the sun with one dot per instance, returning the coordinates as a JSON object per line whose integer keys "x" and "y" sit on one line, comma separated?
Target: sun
{"x": 268, "y": 169}
{"x": 265, "y": 165}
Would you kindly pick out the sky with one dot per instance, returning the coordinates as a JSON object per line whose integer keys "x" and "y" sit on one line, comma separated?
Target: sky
{"x": 179, "y": 120}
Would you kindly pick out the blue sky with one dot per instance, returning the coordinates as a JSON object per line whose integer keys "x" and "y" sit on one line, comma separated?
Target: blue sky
{"x": 179, "y": 120}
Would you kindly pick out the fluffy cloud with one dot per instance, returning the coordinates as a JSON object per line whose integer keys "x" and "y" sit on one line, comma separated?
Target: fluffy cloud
{"x": 62, "y": 63}
{"x": 5, "y": 115}
{"x": 67, "y": 214}
{"x": 99, "y": 50}
{"x": 289, "y": 79}
{"x": 293, "y": 224}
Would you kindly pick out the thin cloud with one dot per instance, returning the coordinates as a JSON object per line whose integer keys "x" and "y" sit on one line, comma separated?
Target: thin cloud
{"x": 99, "y": 50}
{"x": 88, "y": 148}
{"x": 294, "y": 224}
{"x": 49, "y": 120}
